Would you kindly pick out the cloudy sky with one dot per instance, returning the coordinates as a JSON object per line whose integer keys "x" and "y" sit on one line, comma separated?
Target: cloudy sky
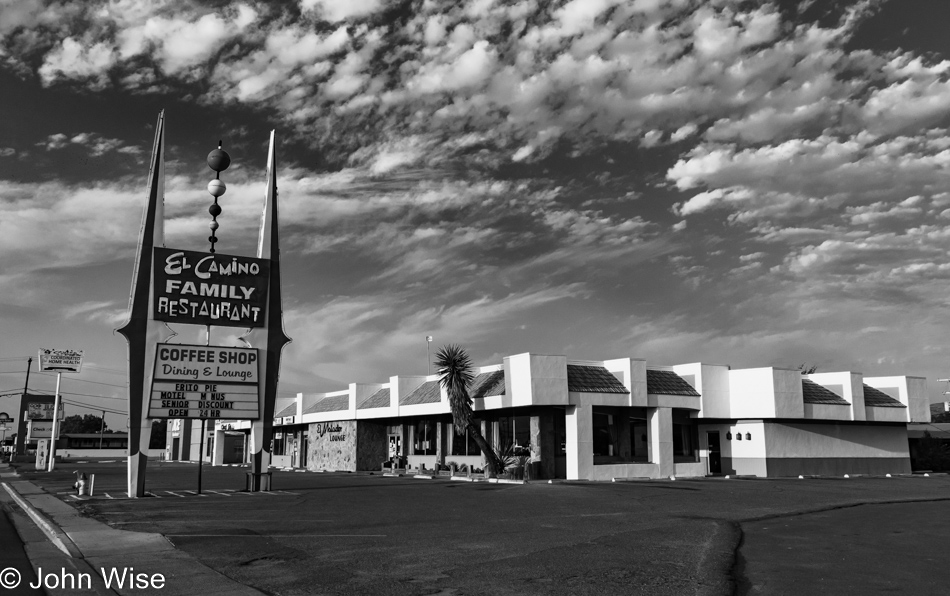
{"x": 750, "y": 183}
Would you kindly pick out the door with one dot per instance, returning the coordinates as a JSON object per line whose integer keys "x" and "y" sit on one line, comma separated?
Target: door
{"x": 176, "y": 442}
{"x": 715, "y": 454}
{"x": 395, "y": 449}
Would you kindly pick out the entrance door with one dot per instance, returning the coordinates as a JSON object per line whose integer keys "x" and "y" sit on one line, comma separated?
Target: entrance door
{"x": 715, "y": 454}
{"x": 395, "y": 449}
{"x": 176, "y": 444}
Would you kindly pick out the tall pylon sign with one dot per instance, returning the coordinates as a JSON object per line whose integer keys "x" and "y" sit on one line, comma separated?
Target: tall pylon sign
{"x": 173, "y": 380}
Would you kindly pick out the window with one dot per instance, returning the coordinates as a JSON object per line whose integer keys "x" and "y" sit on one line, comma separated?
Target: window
{"x": 514, "y": 431}
{"x": 605, "y": 434}
{"x": 424, "y": 438}
{"x": 278, "y": 444}
{"x": 462, "y": 444}
{"x": 685, "y": 437}
{"x": 639, "y": 435}
{"x": 619, "y": 434}
{"x": 560, "y": 430}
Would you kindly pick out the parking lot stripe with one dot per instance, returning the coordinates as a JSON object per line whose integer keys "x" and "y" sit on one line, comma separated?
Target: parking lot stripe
{"x": 217, "y": 492}
{"x": 174, "y": 493}
{"x": 278, "y": 535}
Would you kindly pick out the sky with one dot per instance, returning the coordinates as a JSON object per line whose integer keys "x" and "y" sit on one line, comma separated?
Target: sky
{"x": 743, "y": 183}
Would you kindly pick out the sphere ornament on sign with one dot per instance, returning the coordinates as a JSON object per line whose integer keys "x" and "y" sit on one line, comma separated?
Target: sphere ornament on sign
{"x": 218, "y": 160}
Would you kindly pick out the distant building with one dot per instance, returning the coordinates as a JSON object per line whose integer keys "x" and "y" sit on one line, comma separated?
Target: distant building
{"x": 598, "y": 420}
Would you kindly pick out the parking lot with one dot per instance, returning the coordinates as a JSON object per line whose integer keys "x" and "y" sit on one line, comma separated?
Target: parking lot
{"x": 339, "y": 533}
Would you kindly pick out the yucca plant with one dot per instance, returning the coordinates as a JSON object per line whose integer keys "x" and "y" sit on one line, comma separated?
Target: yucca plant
{"x": 455, "y": 376}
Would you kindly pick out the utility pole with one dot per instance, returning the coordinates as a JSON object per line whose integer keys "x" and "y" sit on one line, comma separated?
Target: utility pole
{"x": 26, "y": 389}
{"x": 102, "y": 429}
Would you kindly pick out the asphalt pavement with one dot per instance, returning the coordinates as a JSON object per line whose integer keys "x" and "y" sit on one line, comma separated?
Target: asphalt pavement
{"x": 338, "y": 533}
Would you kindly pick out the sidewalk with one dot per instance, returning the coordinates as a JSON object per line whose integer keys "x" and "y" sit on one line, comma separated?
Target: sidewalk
{"x": 75, "y": 545}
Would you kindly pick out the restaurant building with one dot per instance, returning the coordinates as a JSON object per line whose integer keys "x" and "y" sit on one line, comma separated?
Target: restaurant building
{"x": 601, "y": 420}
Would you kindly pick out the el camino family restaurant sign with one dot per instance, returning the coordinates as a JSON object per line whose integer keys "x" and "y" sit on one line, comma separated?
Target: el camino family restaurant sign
{"x": 209, "y": 288}
{"x": 205, "y": 382}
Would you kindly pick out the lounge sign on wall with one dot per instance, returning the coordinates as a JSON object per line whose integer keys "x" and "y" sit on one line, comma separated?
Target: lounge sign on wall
{"x": 209, "y": 288}
{"x": 205, "y": 382}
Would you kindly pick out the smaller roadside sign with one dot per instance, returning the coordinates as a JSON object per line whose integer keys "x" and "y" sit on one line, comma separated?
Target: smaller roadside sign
{"x": 60, "y": 360}
{"x": 40, "y": 429}
{"x": 4, "y": 418}
{"x": 42, "y": 411}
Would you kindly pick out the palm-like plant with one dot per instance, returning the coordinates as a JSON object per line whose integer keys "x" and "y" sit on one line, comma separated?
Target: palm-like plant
{"x": 455, "y": 376}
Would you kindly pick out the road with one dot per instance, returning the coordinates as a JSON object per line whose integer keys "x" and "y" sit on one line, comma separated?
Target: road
{"x": 360, "y": 534}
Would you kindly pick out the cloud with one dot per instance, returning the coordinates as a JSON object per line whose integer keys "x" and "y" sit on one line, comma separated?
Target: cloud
{"x": 76, "y": 60}
{"x": 384, "y": 328}
{"x": 587, "y": 73}
{"x": 804, "y": 176}
{"x": 340, "y": 11}
{"x": 96, "y": 144}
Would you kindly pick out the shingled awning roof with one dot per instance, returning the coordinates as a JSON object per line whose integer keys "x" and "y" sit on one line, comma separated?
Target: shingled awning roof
{"x": 380, "y": 399}
{"x": 667, "y": 382}
{"x": 488, "y": 384}
{"x": 592, "y": 379}
{"x": 813, "y": 393}
{"x": 427, "y": 393}
{"x": 329, "y": 404}
{"x": 289, "y": 410}
{"x": 879, "y": 399}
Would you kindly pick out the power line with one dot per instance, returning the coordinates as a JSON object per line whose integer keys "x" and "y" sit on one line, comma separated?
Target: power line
{"x": 106, "y": 369}
{"x": 87, "y": 395}
{"x": 84, "y": 380}
{"x": 93, "y": 408}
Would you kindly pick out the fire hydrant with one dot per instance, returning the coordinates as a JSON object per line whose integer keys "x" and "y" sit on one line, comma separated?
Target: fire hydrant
{"x": 81, "y": 485}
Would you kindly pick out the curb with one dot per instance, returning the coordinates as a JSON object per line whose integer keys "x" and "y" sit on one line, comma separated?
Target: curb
{"x": 55, "y": 534}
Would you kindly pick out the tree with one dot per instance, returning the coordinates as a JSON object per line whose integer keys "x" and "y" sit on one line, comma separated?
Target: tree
{"x": 455, "y": 376}
{"x": 808, "y": 369}
{"x": 87, "y": 423}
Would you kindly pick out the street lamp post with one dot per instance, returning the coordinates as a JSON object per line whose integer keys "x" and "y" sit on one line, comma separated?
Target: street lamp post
{"x": 428, "y": 364}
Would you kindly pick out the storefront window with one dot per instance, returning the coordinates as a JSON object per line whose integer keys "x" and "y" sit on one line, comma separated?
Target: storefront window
{"x": 619, "y": 434}
{"x": 560, "y": 431}
{"x": 278, "y": 444}
{"x": 639, "y": 435}
{"x": 685, "y": 437}
{"x": 424, "y": 439}
{"x": 462, "y": 444}
{"x": 514, "y": 431}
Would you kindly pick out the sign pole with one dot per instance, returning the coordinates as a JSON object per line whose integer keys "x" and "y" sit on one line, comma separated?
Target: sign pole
{"x": 52, "y": 442}
{"x": 201, "y": 440}
{"x": 201, "y": 453}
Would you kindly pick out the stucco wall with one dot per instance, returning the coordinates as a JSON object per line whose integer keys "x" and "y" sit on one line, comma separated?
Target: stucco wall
{"x": 744, "y": 457}
{"x": 835, "y": 440}
{"x": 611, "y": 471}
{"x": 332, "y": 446}
{"x": 752, "y": 393}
